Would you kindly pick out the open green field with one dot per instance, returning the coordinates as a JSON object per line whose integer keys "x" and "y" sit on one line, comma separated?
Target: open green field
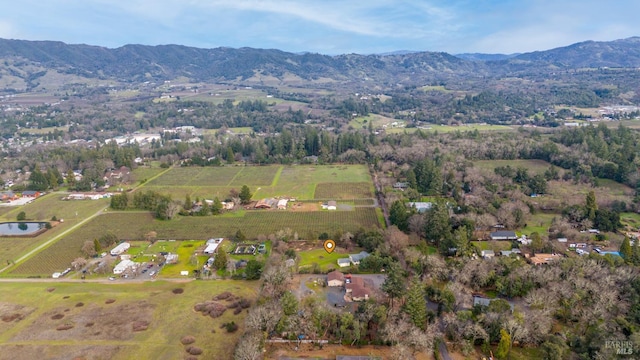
{"x": 340, "y": 191}
{"x": 450, "y": 128}
{"x": 323, "y": 259}
{"x": 134, "y": 225}
{"x": 378, "y": 121}
{"x": 45, "y": 130}
{"x": 97, "y": 330}
{"x": 145, "y": 173}
{"x": 533, "y": 166}
{"x": 264, "y": 181}
{"x": 43, "y": 209}
{"x": 539, "y": 223}
{"x": 493, "y": 245}
{"x": 187, "y": 259}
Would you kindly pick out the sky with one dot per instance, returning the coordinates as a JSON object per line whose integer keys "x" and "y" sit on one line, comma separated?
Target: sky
{"x": 325, "y": 26}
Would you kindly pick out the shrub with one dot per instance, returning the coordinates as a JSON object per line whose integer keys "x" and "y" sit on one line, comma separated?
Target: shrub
{"x": 187, "y": 340}
{"x": 64, "y": 327}
{"x": 231, "y": 327}
{"x": 193, "y": 350}
{"x": 57, "y": 316}
{"x": 178, "y": 291}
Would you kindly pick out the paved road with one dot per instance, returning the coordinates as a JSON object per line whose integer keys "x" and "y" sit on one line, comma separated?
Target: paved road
{"x": 444, "y": 353}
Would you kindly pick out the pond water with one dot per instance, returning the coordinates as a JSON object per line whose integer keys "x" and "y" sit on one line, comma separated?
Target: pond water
{"x": 20, "y": 228}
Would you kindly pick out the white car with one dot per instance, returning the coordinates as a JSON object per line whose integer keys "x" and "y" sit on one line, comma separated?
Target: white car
{"x": 112, "y": 278}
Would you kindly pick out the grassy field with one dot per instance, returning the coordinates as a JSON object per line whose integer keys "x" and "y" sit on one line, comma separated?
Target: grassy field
{"x": 264, "y": 181}
{"x": 339, "y": 191}
{"x": 134, "y": 225}
{"x": 105, "y": 331}
{"x": 187, "y": 259}
{"x": 362, "y": 122}
{"x": 539, "y": 223}
{"x": 493, "y": 245}
{"x": 449, "y": 128}
{"x": 533, "y": 166}
{"x": 319, "y": 256}
{"x": 43, "y": 209}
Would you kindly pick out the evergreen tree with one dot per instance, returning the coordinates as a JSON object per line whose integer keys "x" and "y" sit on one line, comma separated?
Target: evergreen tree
{"x": 393, "y": 285}
{"x": 635, "y": 252}
{"x": 399, "y": 216}
{"x": 38, "y": 181}
{"x": 437, "y": 227}
{"x": 504, "y": 346}
{"x": 245, "y": 195}
{"x": 220, "y": 261}
{"x": 289, "y": 303}
{"x": 591, "y": 206}
{"x": 188, "y": 204}
{"x": 216, "y": 208}
{"x": 240, "y": 237}
{"x": 416, "y": 305}
{"x": 625, "y": 250}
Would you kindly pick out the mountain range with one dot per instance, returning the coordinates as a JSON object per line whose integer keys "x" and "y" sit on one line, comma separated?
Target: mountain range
{"x": 23, "y": 62}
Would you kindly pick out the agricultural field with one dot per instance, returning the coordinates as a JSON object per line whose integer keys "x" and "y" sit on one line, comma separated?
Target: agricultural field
{"x": 340, "y": 191}
{"x": 43, "y": 209}
{"x": 134, "y": 225}
{"x": 264, "y": 181}
{"x": 114, "y": 320}
{"x": 451, "y": 128}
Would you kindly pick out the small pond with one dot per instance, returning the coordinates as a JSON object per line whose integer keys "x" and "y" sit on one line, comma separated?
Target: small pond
{"x": 20, "y": 228}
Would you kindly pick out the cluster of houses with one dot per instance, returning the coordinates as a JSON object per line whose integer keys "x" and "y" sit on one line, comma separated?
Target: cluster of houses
{"x": 8, "y": 196}
{"x": 272, "y": 203}
{"x": 353, "y": 259}
{"x": 354, "y": 286}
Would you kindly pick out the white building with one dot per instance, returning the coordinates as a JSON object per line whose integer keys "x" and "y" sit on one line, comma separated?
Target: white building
{"x": 212, "y": 245}
{"x": 123, "y": 266}
{"x": 121, "y": 248}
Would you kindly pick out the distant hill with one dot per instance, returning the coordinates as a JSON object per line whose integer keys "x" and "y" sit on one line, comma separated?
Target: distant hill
{"x": 24, "y": 63}
{"x": 618, "y": 53}
{"x": 485, "y": 57}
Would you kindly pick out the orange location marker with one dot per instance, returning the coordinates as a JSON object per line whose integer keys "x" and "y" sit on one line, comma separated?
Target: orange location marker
{"x": 329, "y": 246}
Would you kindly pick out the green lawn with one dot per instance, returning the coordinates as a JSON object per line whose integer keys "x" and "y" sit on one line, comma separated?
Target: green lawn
{"x": 319, "y": 256}
{"x": 539, "y": 223}
{"x": 187, "y": 259}
{"x": 103, "y": 330}
{"x": 493, "y": 245}
{"x": 630, "y": 219}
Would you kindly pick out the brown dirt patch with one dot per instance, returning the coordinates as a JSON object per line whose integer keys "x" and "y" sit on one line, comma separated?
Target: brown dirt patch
{"x": 177, "y": 290}
{"x": 110, "y": 301}
{"x": 300, "y": 206}
{"x": 51, "y": 289}
{"x": 140, "y": 325}
{"x": 64, "y": 327}
{"x": 12, "y": 313}
{"x": 80, "y": 304}
{"x": 66, "y": 297}
{"x": 30, "y": 352}
{"x": 57, "y": 316}
{"x": 108, "y": 323}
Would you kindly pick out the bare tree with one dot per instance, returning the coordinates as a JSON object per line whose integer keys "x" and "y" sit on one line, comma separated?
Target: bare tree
{"x": 78, "y": 263}
{"x": 89, "y": 248}
{"x": 249, "y": 347}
